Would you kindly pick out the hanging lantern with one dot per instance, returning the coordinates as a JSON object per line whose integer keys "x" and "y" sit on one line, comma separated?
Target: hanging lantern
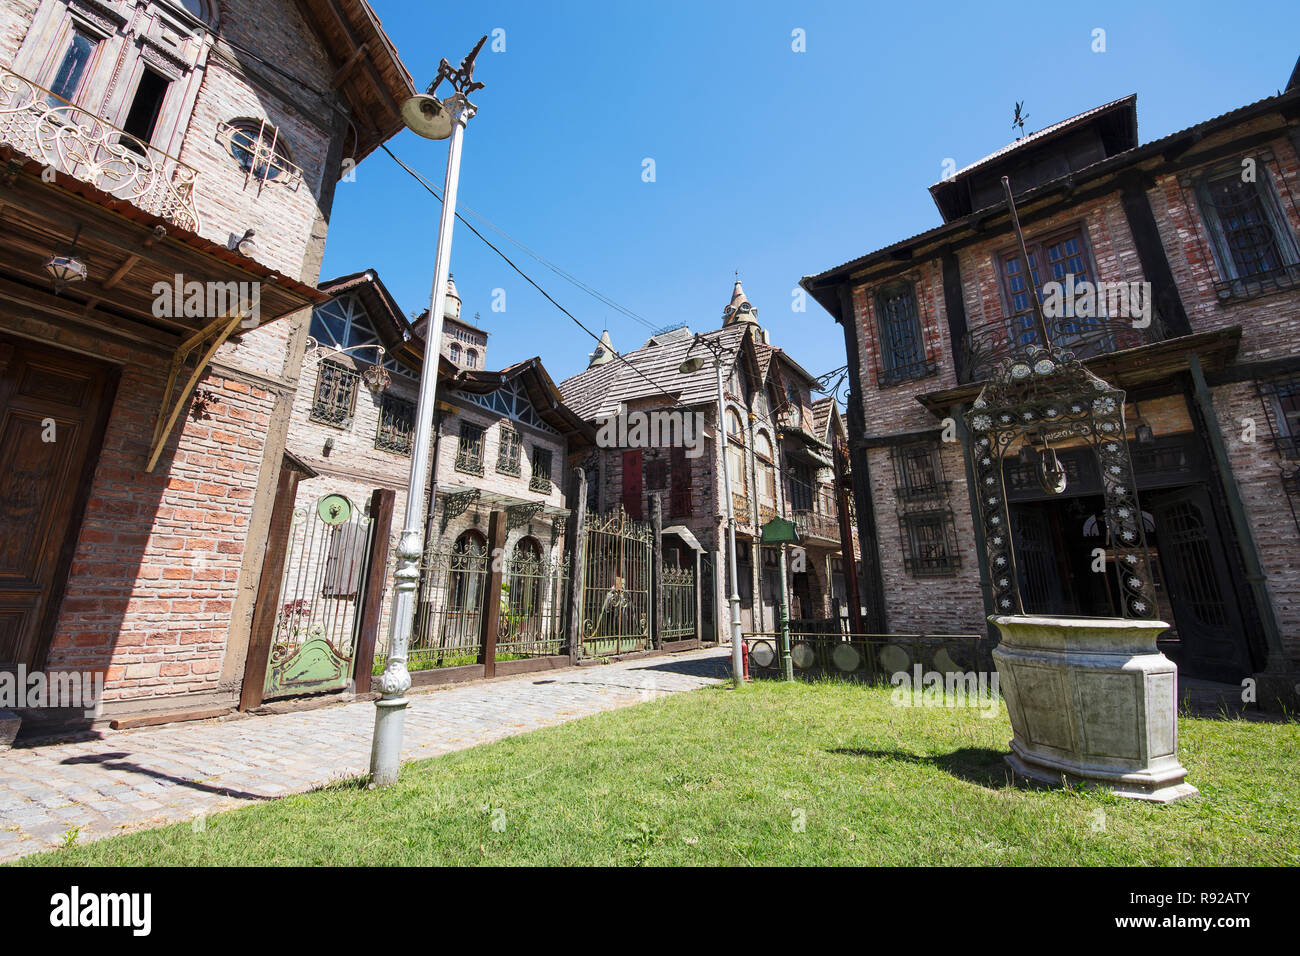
{"x": 66, "y": 266}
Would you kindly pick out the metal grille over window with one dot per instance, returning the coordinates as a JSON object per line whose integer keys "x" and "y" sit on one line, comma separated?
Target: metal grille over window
{"x": 1253, "y": 244}
{"x": 396, "y": 424}
{"x": 508, "y": 452}
{"x": 925, "y": 519}
{"x": 469, "y": 455}
{"x": 257, "y": 147}
{"x": 900, "y": 354}
{"x": 336, "y": 394}
{"x": 541, "y": 479}
{"x": 1281, "y": 399}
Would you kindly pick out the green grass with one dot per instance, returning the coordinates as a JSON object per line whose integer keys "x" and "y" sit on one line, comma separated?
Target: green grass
{"x": 724, "y": 777}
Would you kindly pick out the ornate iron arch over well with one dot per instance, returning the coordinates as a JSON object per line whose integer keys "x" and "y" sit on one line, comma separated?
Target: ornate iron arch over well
{"x": 1048, "y": 393}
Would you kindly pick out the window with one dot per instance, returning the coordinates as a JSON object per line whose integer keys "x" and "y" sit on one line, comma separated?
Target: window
{"x": 679, "y": 501}
{"x": 1281, "y": 397}
{"x": 72, "y": 68}
{"x": 736, "y": 453}
{"x": 453, "y": 353}
{"x": 1248, "y": 230}
{"x": 929, "y": 544}
{"x": 1067, "y": 259}
{"x": 901, "y": 351}
{"x": 335, "y": 400}
{"x": 766, "y": 470}
{"x": 918, "y": 471}
{"x": 541, "y": 479}
{"x": 259, "y": 150}
{"x": 142, "y": 118}
{"x": 471, "y": 358}
{"x": 656, "y": 474}
{"x": 396, "y": 424}
{"x": 508, "y": 451}
{"x": 469, "y": 454}
{"x": 801, "y": 487}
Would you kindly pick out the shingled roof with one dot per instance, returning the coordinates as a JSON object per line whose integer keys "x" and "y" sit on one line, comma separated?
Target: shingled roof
{"x": 597, "y": 392}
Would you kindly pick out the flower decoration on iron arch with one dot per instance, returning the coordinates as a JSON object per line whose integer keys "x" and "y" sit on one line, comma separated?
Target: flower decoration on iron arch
{"x": 1046, "y": 396}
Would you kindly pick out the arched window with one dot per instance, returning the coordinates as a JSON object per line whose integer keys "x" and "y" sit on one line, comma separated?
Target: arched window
{"x": 468, "y": 575}
{"x": 471, "y": 358}
{"x": 453, "y": 352}
{"x": 259, "y": 149}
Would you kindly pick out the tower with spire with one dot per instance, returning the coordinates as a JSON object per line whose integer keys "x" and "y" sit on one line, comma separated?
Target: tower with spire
{"x": 604, "y": 351}
{"x": 739, "y": 310}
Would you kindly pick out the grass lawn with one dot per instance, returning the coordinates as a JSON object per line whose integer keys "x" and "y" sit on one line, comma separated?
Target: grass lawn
{"x": 726, "y": 777}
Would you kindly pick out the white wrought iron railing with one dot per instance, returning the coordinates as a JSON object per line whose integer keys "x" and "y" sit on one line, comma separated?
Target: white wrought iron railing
{"x": 39, "y": 124}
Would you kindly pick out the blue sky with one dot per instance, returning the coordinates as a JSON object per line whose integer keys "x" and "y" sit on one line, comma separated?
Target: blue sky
{"x": 768, "y": 161}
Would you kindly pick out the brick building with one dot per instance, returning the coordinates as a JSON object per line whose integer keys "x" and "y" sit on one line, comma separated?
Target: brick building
{"x": 500, "y": 440}
{"x": 167, "y": 171}
{"x": 780, "y": 446}
{"x": 1198, "y": 232}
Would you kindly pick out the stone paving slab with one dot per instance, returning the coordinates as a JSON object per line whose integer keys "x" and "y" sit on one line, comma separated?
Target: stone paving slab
{"x": 134, "y": 779}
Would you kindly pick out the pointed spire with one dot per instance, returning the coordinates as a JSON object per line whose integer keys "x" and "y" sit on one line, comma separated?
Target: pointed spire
{"x": 604, "y": 351}
{"x": 451, "y": 304}
{"x": 738, "y": 309}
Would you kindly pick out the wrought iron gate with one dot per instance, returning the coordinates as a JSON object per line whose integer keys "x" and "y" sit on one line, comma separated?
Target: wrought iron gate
{"x": 616, "y": 585}
{"x": 678, "y": 604}
{"x": 321, "y": 595}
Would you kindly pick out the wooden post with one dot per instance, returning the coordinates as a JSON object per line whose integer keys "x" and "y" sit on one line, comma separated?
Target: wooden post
{"x": 266, "y": 608}
{"x": 382, "y": 501}
{"x": 577, "y": 535}
{"x": 492, "y": 597}
{"x": 657, "y": 573}
{"x": 699, "y": 599}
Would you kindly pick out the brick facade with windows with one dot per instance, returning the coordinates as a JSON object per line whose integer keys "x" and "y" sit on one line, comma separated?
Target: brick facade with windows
{"x": 1209, "y": 455}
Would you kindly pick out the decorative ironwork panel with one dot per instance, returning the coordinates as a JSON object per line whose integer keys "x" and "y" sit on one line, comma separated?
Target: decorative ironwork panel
{"x": 533, "y": 619}
{"x": 456, "y": 504}
{"x": 321, "y": 592}
{"x": 519, "y": 515}
{"x": 451, "y": 602}
{"x": 335, "y": 401}
{"x": 40, "y": 124}
{"x": 541, "y": 477}
{"x": 679, "y": 604}
{"x": 469, "y": 454}
{"x": 616, "y": 591}
{"x": 396, "y": 424}
{"x": 929, "y": 543}
{"x": 1049, "y": 393}
{"x": 982, "y": 350}
{"x": 508, "y": 451}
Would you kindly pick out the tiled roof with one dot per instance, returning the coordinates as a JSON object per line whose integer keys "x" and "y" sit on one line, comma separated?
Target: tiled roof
{"x": 597, "y": 392}
{"x": 821, "y": 410}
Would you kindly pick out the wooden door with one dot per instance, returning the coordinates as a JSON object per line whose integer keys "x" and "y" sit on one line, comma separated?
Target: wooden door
{"x": 53, "y": 405}
{"x": 632, "y": 484}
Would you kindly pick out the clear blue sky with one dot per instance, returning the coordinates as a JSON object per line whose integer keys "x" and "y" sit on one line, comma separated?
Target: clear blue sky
{"x": 769, "y": 161}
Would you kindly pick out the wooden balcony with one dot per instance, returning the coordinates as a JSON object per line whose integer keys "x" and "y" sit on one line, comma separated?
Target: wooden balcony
{"x": 814, "y": 524}
{"x": 70, "y": 140}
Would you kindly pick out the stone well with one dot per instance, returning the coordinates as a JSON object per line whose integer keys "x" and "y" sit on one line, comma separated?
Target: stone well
{"x": 1092, "y": 700}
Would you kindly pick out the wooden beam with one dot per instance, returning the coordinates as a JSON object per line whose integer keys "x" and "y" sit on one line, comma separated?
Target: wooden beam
{"x": 344, "y": 71}
{"x": 223, "y": 327}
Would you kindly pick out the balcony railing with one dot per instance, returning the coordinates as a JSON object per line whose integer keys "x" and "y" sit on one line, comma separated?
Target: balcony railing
{"x": 49, "y": 129}
{"x": 814, "y": 524}
{"x": 983, "y": 348}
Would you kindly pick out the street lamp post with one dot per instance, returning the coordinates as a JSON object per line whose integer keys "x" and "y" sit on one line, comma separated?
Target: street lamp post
{"x": 433, "y": 119}
{"x": 694, "y": 365}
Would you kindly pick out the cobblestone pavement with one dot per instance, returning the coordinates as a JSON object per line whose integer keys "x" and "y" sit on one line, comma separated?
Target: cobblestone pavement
{"x": 128, "y": 780}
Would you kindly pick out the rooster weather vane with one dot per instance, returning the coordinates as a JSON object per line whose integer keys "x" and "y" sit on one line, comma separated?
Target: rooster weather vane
{"x": 461, "y": 80}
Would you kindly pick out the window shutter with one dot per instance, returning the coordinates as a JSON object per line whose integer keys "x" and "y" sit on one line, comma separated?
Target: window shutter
{"x": 632, "y": 483}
